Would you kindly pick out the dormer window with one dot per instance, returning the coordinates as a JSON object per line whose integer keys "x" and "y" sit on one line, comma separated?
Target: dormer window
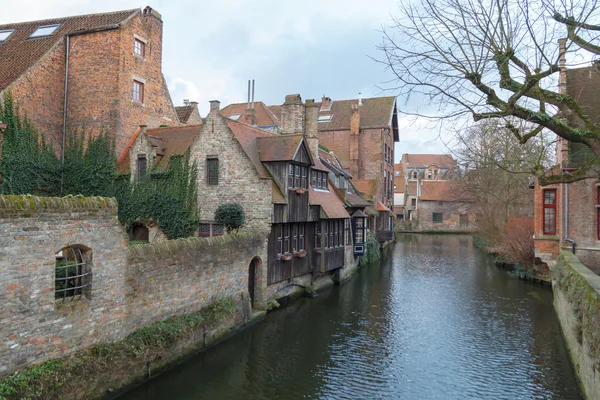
{"x": 5, "y": 34}
{"x": 435, "y": 174}
{"x": 429, "y": 174}
{"x": 415, "y": 174}
{"x": 319, "y": 180}
{"x": 325, "y": 118}
{"x": 235, "y": 117}
{"x": 43, "y": 31}
{"x": 297, "y": 176}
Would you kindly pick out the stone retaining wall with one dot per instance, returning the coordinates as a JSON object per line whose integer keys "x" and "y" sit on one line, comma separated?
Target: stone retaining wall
{"x": 577, "y": 304}
{"x": 130, "y": 286}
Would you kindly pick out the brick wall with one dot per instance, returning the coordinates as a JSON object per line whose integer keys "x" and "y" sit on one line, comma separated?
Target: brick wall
{"x": 130, "y": 287}
{"x": 451, "y": 212}
{"x": 239, "y": 181}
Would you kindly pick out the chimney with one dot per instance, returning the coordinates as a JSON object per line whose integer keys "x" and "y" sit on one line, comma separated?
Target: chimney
{"x": 354, "y": 135}
{"x": 215, "y": 106}
{"x": 292, "y": 115}
{"x": 252, "y": 106}
{"x": 311, "y": 132}
{"x": 360, "y": 99}
{"x": 143, "y": 129}
{"x": 250, "y": 117}
{"x": 248, "y": 104}
{"x": 325, "y": 103}
{"x": 562, "y": 65}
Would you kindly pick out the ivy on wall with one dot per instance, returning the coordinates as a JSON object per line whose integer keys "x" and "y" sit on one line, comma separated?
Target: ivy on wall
{"x": 167, "y": 195}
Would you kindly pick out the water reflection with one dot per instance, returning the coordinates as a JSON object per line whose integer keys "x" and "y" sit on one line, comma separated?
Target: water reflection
{"x": 433, "y": 321}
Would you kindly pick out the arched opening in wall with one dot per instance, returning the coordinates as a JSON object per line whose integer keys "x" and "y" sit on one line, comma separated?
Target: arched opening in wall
{"x": 139, "y": 233}
{"x": 73, "y": 273}
{"x": 253, "y": 278}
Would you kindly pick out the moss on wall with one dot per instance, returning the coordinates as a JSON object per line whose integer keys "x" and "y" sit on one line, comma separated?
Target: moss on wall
{"x": 28, "y": 203}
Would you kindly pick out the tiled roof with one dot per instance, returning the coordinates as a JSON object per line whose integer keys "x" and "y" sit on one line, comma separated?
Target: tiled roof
{"x": 438, "y": 191}
{"x": 276, "y": 195}
{"x": 382, "y": 207}
{"x": 411, "y": 188}
{"x": 278, "y": 147}
{"x": 123, "y": 161}
{"x": 18, "y": 53}
{"x": 249, "y": 138}
{"x": 331, "y": 205}
{"x": 366, "y": 186}
{"x": 183, "y": 113}
{"x": 264, "y": 116}
{"x": 330, "y": 159}
{"x": 425, "y": 160}
{"x": 175, "y": 140}
{"x": 355, "y": 200}
{"x": 375, "y": 112}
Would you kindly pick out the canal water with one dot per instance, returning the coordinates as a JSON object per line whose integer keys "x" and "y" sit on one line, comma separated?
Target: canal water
{"x": 434, "y": 320}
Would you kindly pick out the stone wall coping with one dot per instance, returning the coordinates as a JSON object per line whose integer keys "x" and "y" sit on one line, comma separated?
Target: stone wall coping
{"x": 573, "y": 262}
{"x": 183, "y": 246}
{"x": 60, "y": 204}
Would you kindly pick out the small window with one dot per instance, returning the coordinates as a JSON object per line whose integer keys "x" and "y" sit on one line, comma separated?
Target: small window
{"x": 318, "y": 235}
{"x": 301, "y": 230}
{"x": 212, "y": 171}
{"x": 141, "y": 166}
{"x": 347, "y": 231}
{"x": 413, "y": 202}
{"x": 550, "y": 212}
{"x": 139, "y": 48}
{"x": 325, "y": 118}
{"x": 415, "y": 175}
{"x": 342, "y": 182}
{"x": 4, "y": 34}
{"x": 294, "y": 238}
{"x": 279, "y": 231}
{"x": 45, "y": 30}
{"x": 359, "y": 234}
{"x": 304, "y": 183}
{"x": 297, "y": 176}
{"x": 217, "y": 230}
{"x": 286, "y": 238}
{"x": 235, "y": 117}
{"x": 429, "y": 174}
{"x": 437, "y": 217}
{"x": 72, "y": 273}
{"x": 291, "y": 176}
{"x": 204, "y": 230}
{"x": 138, "y": 91}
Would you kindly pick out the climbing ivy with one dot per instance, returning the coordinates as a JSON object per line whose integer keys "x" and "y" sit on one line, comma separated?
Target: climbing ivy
{"x": 167, "y": 195}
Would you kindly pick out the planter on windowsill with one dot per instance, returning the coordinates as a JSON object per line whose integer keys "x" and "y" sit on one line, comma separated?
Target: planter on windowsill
{"x": 286, "y": 256}
{"x": 301, "y": 254}
{"x": 300, "y": 191}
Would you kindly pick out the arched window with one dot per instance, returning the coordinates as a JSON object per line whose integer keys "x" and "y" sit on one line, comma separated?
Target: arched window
{"x": 73, "y": 273}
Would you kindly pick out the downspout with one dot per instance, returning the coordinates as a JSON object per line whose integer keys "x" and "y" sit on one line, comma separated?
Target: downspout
{"x": 566, "y": 209}
{"x": 64, "y": 132}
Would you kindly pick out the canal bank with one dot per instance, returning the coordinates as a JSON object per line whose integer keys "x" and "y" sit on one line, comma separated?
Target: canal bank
{"x": 434, "y": 319}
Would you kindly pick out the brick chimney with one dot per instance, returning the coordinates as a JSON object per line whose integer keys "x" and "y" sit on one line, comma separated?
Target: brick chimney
{"x": 325, "y": 104}
{"x": 354, "y": 136}
{"x": 215, "y": 106}
{"x": 250, "y": 117}
{"x": 311, "y": 131}
{"x": 292, "y": 115}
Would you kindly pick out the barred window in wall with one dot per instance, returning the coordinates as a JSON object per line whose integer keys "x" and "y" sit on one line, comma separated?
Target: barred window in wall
{"x": 210, "y": 229}
{"x": 72, "y": 273}
{"x": 141, "y": 166}
{"x": 212, "y": 171}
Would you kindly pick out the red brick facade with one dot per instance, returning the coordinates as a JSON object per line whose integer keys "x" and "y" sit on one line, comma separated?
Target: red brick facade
{"x": 101, "y": 69}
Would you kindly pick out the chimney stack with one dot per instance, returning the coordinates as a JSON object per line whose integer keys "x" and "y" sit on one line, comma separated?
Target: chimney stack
{"x": 215, "y": 106}
{"x": 252, "y": 107}
{"x": 311, "y": 131}
{"x": 292, "y": 115}
{"x": 325, "y": 103}
{"x": 248, "y": 104}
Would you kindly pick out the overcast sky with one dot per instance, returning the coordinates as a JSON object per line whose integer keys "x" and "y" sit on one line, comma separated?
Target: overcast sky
{"x": 311, "y": 47}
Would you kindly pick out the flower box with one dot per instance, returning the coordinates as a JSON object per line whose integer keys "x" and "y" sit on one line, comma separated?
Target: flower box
{"x": 300, "y": 191}
{"x": 286, "y": 256}
{"x": 301, "y": 254}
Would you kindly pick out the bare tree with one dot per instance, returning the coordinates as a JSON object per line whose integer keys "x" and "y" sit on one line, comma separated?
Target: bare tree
{"x": 497, "y": 60}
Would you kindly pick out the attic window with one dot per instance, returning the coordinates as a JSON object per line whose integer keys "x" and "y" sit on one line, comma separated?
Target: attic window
{"x": 5, "y": 34}
{"x": 235, "y": 117}
{"x": 45, "y": 30}
{"x": 325, "y": 118}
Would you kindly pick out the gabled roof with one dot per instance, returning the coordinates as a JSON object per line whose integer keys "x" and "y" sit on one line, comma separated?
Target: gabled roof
{"x": 425, "y": 160}
{"x": 249, "y": 138}
{"x": 19, "y": 53}
{"x": 264, "y": 116}
{"x": 331, "y": 205}
{"x": 279, "y": 147}
{"x": 375, "y": 112}
{"x": 175, "y": 140}
{"x": 184, "y": 113}
{"x": 438, "y": 191}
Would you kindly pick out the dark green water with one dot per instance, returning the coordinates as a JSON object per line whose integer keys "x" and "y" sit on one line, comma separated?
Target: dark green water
{"x": 435, "y": 320}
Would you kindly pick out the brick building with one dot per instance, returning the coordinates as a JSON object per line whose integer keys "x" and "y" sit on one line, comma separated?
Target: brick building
{"x": 362, "y": 134}
{"x": 97, "y": 71}
{"x": 568, "y": 215}
{"x": 285, "y": 190}
{"x": 426, "y": 194}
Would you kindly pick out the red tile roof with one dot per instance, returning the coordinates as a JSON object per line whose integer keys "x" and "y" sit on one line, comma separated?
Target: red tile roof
{"x": 123, "y": 161}
{"x": 366, "y": 186}
{"x": 264, "y": 116}
{"x": 184, "y": 113}
{"x": 331, "y": 205}
{"x": 382, "y": 207}
{"x": 175, "y": 140}
{"x": 278, "y": 147}
{"x": 438, "y": 191}
{"x": 425, "y": 160}
{"x": 249, "y": 138}
{"x": 18, "y": 53}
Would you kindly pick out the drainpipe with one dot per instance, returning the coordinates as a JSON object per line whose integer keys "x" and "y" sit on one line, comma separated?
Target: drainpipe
{"x": 566, "y": 208}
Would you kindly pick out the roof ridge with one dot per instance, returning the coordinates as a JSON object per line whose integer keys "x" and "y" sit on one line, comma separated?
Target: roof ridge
{"x": 131, "y": 11}
{"x": 174, "y": 127}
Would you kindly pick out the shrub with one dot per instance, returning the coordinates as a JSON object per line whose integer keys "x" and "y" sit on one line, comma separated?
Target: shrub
{"x": 515, "y": 242}
{"x": 231, "y": 216}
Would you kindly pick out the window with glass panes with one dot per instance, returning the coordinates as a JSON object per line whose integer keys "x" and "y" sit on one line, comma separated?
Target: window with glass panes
{"x": 212, "y": 171}
{"x": 318, "y": 240}
{"x": 550, "y": 211}
{"x": 297, "y": 176}
{"x": 139, "y": 48}
{"x": 320, "y": 179}
{"x": 138, "y": 91}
